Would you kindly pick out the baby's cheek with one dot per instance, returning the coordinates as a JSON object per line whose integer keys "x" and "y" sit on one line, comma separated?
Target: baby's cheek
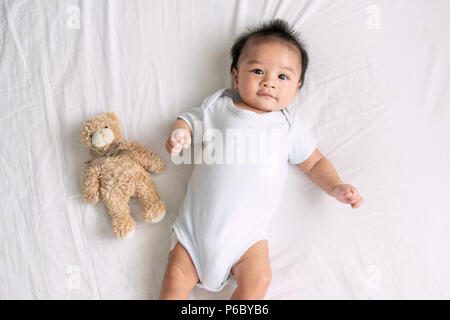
{"x": 292, "y": 96}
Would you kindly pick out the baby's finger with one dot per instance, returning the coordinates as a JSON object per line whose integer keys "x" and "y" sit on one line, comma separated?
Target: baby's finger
{"x": 171, "y": 145}
{"x": 178, "y": 133}
{"x": 353, "y": 197}
{"x": 345, "y": 191}
{"x": 341, "y": 197}
{"x": 178, "y": 147}
{"x": 180, "y": 139}
{"x": 187, "y": 141}
{"x": 348, "y": 195}
{"x": 174, "y": 143}
{"x": 176, "y": 137}
{"x": 175, "y": 151}
{"x": 355, "y": 191}
{"x": 344, "y": 200}
{"x": 169, "y": 148}
{"x": 357, "y": 204}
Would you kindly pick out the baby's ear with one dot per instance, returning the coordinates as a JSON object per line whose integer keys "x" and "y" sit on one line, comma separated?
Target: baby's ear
{"x": 235, "y": 79}
{"x": 112, "y": 115}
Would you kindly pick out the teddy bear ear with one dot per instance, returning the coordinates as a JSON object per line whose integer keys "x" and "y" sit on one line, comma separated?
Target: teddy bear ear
{"x": 112, "y": 115}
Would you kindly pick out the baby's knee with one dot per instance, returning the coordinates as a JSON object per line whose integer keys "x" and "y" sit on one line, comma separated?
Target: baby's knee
{"x": 182, "y": 274}
{"x": 257, "y": 280}
{"x": 174, "y": 273}
{"x": 176, "y": 284}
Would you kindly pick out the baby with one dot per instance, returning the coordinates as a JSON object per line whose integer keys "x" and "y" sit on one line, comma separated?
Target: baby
{"x": 220, "y": 231}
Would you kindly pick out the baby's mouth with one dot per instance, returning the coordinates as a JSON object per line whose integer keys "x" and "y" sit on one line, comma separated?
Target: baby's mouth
{"x": 266, "y": 95}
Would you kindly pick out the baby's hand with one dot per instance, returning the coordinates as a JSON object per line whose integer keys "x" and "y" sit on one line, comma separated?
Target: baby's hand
{"x": 179, "y": 139}
{"x": 347, "y": 193}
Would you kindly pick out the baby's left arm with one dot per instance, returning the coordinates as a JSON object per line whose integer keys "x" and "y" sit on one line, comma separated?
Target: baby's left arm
{"x": 321, "y": 171}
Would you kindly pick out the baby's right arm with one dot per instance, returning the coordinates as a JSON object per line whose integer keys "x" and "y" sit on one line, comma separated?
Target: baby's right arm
{"x": 179, "y": 138}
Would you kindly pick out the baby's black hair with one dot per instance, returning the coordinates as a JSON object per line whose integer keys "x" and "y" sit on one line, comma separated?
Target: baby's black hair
{"x": 277, "y": 28}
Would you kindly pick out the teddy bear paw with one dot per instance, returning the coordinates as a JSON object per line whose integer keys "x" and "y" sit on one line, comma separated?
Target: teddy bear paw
{"x": 91, "y": 198}
{"x": 151, "y": 216}
{"x": 130, "y": 234}
{"x": 124, "y": 228}
{"x": 158, "y": 217}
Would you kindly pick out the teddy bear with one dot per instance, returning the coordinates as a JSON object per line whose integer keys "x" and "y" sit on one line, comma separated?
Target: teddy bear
{"x": 117, "y": 171}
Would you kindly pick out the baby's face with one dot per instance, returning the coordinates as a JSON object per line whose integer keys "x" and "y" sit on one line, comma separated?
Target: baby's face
{"x": 267, "y": 75}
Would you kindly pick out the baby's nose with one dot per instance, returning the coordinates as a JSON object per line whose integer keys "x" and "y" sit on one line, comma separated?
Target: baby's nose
{"x": 268, "y": 84}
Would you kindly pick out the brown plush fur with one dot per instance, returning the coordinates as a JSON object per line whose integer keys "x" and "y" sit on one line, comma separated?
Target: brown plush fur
{"x": 118, "y": 178}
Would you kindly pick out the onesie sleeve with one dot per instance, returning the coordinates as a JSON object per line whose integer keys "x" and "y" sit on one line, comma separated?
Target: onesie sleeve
{"x": 197, "y": 114}
{"x": 302, "y": 143}
{"x": 191, "y": 116}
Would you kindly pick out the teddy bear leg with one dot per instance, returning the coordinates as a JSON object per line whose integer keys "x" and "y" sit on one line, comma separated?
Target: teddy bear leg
{"x": 153, "y": 209}
{"x": 123, "y": 223}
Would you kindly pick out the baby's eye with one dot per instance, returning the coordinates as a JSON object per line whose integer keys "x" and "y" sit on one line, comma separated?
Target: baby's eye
{"x": 257, "y": 71}
{"x": 283, "y": 77}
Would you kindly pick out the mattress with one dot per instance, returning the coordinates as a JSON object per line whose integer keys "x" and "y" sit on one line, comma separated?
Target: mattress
{"x": 376, "y": 98}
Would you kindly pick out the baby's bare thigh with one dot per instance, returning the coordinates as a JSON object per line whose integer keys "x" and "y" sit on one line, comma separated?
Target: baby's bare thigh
{"x": 180, "y": 265}
{"x": 255, "y": 259}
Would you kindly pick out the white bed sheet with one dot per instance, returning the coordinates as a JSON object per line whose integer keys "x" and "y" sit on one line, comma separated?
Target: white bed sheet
{"x": 376, "y": 98}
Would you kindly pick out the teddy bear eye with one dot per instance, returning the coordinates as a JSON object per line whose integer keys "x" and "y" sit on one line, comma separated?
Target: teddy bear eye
{"x": 106, "y": 128}
{"x": 91, "y": 135}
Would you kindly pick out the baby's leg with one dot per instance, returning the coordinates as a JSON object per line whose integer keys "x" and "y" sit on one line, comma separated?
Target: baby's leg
{"x": 180, "y": 276}
{"x": 252, "y": 273}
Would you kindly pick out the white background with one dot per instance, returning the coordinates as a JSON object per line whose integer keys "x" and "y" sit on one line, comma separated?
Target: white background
{"x": 376, "y": 98}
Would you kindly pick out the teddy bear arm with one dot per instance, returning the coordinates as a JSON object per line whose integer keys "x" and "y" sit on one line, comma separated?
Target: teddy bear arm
{"x": 91, "y": 185}
{"x": 146, "y": 157}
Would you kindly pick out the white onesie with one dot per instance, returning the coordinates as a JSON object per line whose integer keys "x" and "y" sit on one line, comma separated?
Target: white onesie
{"x": 234, "y": 191}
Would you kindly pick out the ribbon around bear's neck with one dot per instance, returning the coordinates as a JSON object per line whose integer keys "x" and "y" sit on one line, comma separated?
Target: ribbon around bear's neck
{"x": 100, "y": 156}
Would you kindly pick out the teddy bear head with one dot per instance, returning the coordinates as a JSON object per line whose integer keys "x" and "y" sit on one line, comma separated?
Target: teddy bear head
{"x": 101, "y": 131}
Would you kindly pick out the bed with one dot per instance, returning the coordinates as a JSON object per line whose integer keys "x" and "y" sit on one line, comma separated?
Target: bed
{"x": 376, "y": 98}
